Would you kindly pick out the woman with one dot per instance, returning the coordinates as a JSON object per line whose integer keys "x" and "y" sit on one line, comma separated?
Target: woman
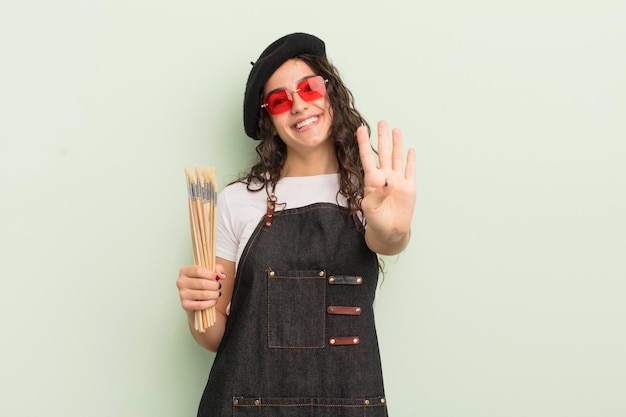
{"x": 298, "y": 238}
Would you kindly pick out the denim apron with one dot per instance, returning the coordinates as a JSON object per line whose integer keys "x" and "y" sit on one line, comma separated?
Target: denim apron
{"x": 300, "y": 339}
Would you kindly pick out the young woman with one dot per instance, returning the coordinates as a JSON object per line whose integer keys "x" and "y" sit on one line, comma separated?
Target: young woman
{"x": 298, "y": 238}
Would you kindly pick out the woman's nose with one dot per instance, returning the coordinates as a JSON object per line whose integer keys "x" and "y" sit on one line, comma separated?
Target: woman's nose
{"x": 298, "y": 103}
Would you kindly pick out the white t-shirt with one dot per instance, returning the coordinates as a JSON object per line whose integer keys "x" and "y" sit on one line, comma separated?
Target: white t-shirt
{"x": 239, "y": 211}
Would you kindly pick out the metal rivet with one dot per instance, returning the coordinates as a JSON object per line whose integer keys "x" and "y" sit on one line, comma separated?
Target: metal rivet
{"x": 235, "y": 401}
{"x": 322, "y": 273}
{"x": 257, "y": 402}
{"x": 359, "y": 280}
{"x": 331, "y": 280}
{"x": 357, "y": 310}
{"x": 366, "y": 402}
{"x": 268, "y": 223}
{"x": 332, "y": 341}
{"x": 272, "y": 273}
{"x": 355, "y": 340}
{"x": 330, "y": 309}
{"x": 382, "y": 400}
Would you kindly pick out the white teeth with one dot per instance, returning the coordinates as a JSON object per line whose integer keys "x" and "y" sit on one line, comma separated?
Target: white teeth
{"x": 306, "y": 122}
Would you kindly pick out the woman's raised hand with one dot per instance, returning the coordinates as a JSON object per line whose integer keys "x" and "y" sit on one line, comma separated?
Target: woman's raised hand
{"x": 390, "y": 190}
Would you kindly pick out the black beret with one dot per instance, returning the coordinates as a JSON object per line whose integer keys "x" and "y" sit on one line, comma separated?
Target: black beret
{"x": 274, "y": 56}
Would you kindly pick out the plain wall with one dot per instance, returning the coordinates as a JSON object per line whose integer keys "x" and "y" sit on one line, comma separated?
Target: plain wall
{"x": 509, "y": 300}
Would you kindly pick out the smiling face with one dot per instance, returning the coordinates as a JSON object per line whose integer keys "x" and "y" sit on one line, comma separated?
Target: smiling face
{"x": 305, "y": 127}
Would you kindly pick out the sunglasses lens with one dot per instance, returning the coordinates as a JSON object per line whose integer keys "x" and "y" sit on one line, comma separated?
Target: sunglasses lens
{"x": 310, "y": 89}
{"x": 278, "y": 102}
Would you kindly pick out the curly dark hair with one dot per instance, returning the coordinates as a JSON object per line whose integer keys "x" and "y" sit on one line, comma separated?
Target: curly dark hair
{"x": 272, "y": 151}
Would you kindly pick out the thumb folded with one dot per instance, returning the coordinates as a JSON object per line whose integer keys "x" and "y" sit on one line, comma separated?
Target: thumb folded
{"x": 379, "y": 195}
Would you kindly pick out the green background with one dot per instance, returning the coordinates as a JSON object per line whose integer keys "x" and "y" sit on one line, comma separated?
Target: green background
{"x": 509, "y": 300}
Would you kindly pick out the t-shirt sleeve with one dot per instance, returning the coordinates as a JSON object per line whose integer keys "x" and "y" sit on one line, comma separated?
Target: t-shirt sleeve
{"x": 226, "y": 239}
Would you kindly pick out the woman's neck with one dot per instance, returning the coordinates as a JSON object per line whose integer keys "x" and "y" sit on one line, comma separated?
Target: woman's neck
{"x": 311, "y": 165}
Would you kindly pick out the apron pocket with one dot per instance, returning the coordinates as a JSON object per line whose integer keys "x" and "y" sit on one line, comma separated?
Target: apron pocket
{"x": 296, "y": 308}
{"x": 310, "y": 407}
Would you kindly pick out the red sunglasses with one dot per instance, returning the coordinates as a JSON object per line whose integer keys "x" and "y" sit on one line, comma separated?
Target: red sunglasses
{"x": 280, "y": 101}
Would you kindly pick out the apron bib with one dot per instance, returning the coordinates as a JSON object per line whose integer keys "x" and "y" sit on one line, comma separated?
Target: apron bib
{"x": 300, "y": 339}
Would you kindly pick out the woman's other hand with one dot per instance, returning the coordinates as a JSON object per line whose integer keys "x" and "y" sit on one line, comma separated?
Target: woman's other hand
{"x": 390, "y": 190}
